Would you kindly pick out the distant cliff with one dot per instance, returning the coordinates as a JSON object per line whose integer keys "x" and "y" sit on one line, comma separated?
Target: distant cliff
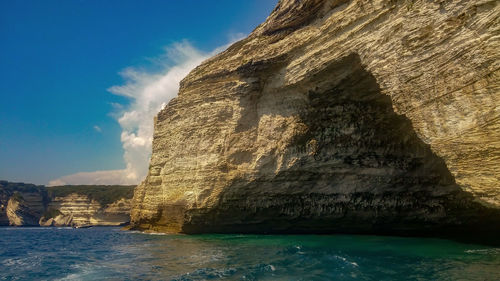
{"x": 30, "y": 205}
{"x": 21, "y": 204}
{"x": 337, "y": 116}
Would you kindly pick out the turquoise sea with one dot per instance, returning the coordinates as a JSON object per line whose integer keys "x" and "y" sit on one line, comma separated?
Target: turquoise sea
{"x": 108, "y": 253}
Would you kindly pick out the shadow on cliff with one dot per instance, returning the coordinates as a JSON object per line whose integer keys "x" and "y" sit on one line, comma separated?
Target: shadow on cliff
{"x": 358, "y": 168}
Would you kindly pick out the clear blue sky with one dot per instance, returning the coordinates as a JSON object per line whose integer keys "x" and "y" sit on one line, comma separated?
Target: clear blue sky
{"x": 58, "y": 58}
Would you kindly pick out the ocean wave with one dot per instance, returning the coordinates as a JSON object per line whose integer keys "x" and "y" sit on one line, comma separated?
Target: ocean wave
{"x": 147, "y": 233}
{"x": 206, "y": 273}
{"x": 155, "y": 233}
{"x": 107, "y": 254}
{"x": 345, "y": 260}
{"x": 25, "y": 263}
{"x": 83, "y": 270}
{"x": 484, "y": 251}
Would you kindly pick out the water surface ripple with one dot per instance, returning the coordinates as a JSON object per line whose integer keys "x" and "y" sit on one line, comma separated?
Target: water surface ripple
{"x": 108, "y": 253}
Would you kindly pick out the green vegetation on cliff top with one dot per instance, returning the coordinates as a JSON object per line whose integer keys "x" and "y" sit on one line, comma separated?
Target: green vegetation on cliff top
{"x": 51, "y": 213}
{"x": 11, "y": 187}
{"x": 104, "y": 194}
{"x": 17, "y": 197}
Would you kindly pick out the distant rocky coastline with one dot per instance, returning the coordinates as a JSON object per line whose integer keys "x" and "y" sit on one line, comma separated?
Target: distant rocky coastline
{"x": 37, "y": 205}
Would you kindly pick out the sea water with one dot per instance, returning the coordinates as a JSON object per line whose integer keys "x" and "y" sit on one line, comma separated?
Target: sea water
{"x": 112, "y": 254}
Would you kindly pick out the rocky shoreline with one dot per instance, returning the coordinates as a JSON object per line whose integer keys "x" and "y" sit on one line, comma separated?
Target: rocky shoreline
{"x": 31, "y": 205}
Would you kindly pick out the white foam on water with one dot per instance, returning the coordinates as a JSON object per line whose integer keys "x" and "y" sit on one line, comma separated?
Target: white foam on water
{"x": 85, "y": 271}
{"x": 346, "y": 261}
{"x": 155, "y": 233}
{"x": 25, "y": 263}
{"x": 146, "y": 233}
{"x": 483, "y": 251}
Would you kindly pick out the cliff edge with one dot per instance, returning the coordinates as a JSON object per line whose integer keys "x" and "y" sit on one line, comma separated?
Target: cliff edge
{"x": 337, "y": 116}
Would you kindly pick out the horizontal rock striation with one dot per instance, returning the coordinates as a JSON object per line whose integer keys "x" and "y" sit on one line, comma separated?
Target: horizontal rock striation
{"x": 25, "y": 209}
{"x": 79, "y": 210}
{"x": 337, "y": 116}
{"x": 21, "y": 204}
{"x": 30, "y": 205}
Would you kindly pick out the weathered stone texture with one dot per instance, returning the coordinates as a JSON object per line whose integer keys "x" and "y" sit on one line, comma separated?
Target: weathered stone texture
{"x": 25, "y": 209}
{"x": 30, "y": 205}
{"x": 336, "y": 116}
{"x": 78, "y": 210}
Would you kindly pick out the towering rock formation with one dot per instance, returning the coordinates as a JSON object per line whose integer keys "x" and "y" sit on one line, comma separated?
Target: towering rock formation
{"x": 337, "y": 116}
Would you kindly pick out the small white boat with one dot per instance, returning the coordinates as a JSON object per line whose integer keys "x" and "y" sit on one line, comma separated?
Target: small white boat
{"x": 82, "y": 226}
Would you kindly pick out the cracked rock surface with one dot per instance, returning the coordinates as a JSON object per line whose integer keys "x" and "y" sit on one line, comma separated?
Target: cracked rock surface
{"x": 337, "y": 116}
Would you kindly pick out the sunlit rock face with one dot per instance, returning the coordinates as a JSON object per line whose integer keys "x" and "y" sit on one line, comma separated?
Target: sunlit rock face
{"x": 21, "y": 204}
{"x": 30, "y": 205}
{"x": 80, "y": 210}
{"x": 25, "y": 209}
{"x": 337, "y": 116}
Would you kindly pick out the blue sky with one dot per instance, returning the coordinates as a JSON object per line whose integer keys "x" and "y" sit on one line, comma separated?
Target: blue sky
{"x": 59, "y": 59}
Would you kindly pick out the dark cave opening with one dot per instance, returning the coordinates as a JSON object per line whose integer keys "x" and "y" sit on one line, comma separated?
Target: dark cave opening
{"x": 359, "y": 168}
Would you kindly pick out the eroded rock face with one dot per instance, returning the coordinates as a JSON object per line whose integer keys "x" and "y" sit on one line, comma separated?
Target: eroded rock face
{"x": 59, "y": 220}
{"x": 337, "y": 116}
{"x": 31, "y": 205}
{"x": 25, "y": 209}
{"x": 21, "y": 204}
{"x": 78, "y": 210}
{"x": 4, "y": 200}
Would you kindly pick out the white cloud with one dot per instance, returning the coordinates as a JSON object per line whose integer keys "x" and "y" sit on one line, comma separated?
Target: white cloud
{"x": 148, "y": 94}
{"x": 97, "y": 129}
{"x": 98, "y": 177}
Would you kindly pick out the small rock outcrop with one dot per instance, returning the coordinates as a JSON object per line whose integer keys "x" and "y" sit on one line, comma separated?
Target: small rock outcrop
{"x": 337, "y": 116}
{"x": 57, "y": 220}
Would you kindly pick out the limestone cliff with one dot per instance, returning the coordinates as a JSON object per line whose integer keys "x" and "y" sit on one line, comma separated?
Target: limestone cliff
{"x": 4, "y": 199}
{"x": 337, "y": 116}
{"x": 77, "y": 210}
{"x": 21, "y": 204}
{"x": 25, "y": 209}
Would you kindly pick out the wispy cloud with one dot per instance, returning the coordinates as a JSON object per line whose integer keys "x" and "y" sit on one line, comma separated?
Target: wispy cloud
{"x": 148, "y": 94}
{"x": 97, "y": 129}
{"x": 108, "y": 177}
